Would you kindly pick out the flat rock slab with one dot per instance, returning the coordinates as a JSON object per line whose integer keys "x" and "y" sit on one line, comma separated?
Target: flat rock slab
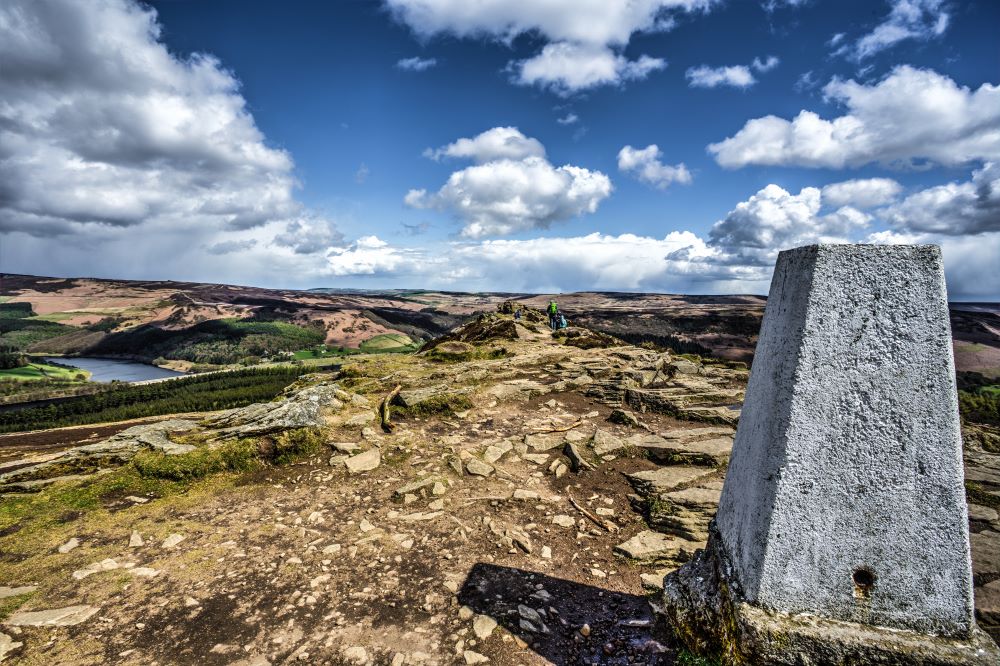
{"x": 56, "y": 617}
{"x": 7, "y": 645}
{"x": 543, "y": 442}
{"x": 15, "y": 591}
{"x": 649, "y": 546}
{"x": 698, "y": 433}
{"x": 414, "y": 486}
{"x": 983, "y": 513}
{"x": 713, "y": 451}
{"x": 605, "y": 442}
{"x": 666, "y": 479}
{"x": 364, "y": 462}
{"x": 705, "y": 496}
{"x": 988, "y": 606}
{"x": 986, "y": 553}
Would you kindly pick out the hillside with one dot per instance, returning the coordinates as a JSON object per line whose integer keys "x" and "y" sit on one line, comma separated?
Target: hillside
{"x": 517, "y": 503}
{"x": 208, "y": 323}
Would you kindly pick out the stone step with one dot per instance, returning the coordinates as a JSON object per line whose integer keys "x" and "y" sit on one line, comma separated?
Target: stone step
{"x": 687, "y": 513}
{"x": 711, "y": 452}
{"x": 667, "y": 479}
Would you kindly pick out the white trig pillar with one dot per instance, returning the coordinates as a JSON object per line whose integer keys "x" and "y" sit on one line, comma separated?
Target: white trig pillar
{"x": 843, "y": 513}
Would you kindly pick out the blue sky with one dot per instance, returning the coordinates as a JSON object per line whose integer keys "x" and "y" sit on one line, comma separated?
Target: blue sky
{"x": 289, "y": 144}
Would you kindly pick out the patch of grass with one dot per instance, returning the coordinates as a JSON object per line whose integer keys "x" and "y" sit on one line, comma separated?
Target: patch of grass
{"x": 11, "y": 604}
{"x": 975, "y": 494}
{"x": 292, "y": 445}
{"x": 446, "y": 404}
{"x": 324, "y": 352}
{"x": 685, "y": 658}
{"x": 237, "y": 456}
{"x": 42, "y": 515}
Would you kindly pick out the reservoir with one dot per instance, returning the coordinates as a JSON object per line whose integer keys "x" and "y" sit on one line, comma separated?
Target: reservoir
{"x": 109, "y": 369}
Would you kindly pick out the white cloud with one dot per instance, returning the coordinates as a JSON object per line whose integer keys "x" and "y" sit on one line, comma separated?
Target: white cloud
{"x": 765, "y": 65}
{"x": 645, "y": 165}
{"x": 861, "y": 193}
{"x": 512, "y": 187}
{"x": 498, "y": 143}
{"x": 909, "y": 116}
{"x": 774, "y": 219}
{"x": 568, "y": 119}
{"x": 309, "y": 236}
{"x": 103, "y": 130}
{"x": 736, "y": 76}
{"x": 953, "y": 209}
{"x": 585, "y": 40}
{"x": 369, "y": 255}
{"x": 908, "y": 19}
{"x": 565, "y": 68}
{"x": 416, "y": 64}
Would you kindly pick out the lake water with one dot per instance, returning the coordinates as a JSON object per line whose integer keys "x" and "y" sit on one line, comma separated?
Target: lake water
{"x": 108, "y": 369}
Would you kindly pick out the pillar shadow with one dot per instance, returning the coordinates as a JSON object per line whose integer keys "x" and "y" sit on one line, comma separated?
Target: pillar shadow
{"x": 622, "y": 628}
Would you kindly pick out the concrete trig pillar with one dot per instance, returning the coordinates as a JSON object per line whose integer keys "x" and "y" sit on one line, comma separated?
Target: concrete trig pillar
{"x": 842, "y": 532}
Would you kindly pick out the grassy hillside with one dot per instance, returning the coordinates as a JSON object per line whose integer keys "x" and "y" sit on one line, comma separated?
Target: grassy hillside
{"x": 219, "y": 341}
{"x": 20, "y": 328}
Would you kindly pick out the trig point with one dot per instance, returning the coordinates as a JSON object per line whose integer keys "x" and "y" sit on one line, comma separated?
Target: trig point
{"x": 842, "y": 533}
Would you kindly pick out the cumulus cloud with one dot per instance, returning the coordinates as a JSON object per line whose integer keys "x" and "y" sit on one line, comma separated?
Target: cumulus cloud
{"x": 953, "y": 209}
{"x": 910, "y": 116}
{"x": 774, "y": 219}
{"x": 309, "y": 236}
{"x": 908, "y": 19}
{"x": 765, "y": 65}
{"x": 734, "y": 76}
{"x": 149, "y": 159}
{"x": 102, "y": 125}
{"x": 738, "y": 253}
{"x": 565, "y": 67}
{"x": 512, "y": 187}
{"x": 370, "y": 255}
{"x": 584, "y": 40}
{"x": 416, "y": 64}
{"x": 862, "y": 192}
{"x": 645, "y": 165}
{"x": 499, "y": 143}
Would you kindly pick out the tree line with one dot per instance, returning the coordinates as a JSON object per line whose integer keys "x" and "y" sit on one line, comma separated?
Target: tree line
{"x": 200, "y": 393}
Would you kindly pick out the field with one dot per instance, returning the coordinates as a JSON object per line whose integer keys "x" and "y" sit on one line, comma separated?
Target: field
{"x": 389, "y": 342}
{"x": 42, "y": 371}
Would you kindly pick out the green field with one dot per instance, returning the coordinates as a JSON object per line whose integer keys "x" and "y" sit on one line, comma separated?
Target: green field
{"x": 388, "y": 343}
{"x": 39, "y": 371}
{"x": 324, "y": 352}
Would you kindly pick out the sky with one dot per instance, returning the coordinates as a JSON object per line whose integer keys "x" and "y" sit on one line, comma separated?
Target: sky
{"x": 495, "y": 145}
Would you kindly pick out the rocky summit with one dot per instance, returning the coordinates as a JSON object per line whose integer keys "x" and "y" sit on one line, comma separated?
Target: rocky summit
{"x": 506, "y": 496}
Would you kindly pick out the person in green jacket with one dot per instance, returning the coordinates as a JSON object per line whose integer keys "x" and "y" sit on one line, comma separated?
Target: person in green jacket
{"x": 553, "y": 311}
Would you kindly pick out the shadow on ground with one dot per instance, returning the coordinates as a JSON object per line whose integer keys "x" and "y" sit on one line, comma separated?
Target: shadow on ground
{"x": 547, "y": 614}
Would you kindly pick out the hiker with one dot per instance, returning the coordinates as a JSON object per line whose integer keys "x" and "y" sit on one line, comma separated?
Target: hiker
{"x": 553, "y": 310}
{"x": 517, "y": 313}
{"x": 562, "y": 322}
